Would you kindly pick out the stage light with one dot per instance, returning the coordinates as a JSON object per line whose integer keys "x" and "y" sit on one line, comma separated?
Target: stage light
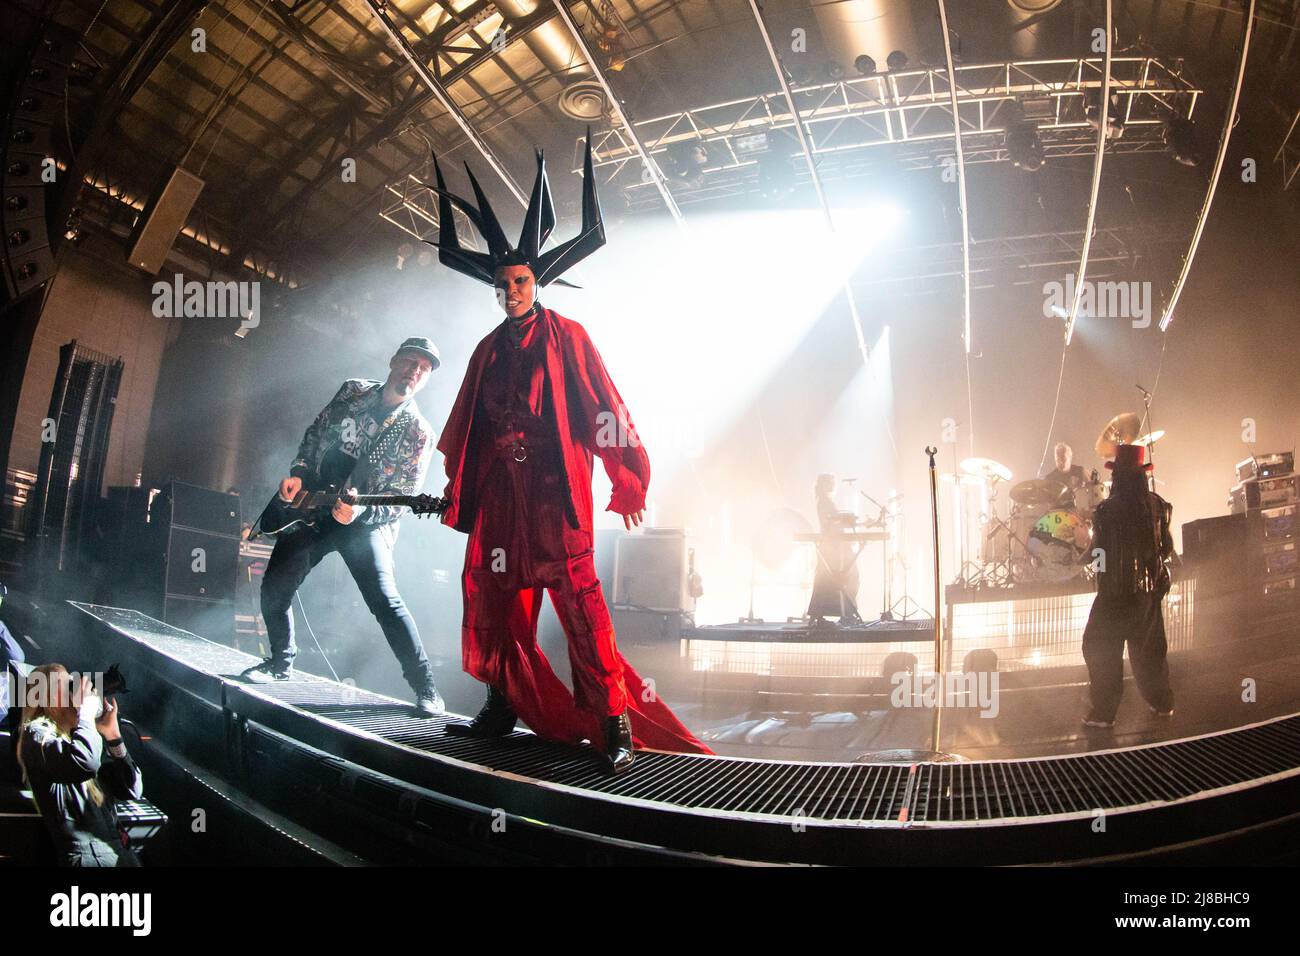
{"x": 982, "y": 659}
{"x": 686, "y": 163}
{"x": 1180, "y": 135}
{"x": 775, "y": 168}
{"x": 775, "y": 176}
{"x": 864, "y": 64}
{"x": 72, "y": 231}
{"x": 1114, "y": 118}
{"x": 896, "y": 61}
{"x": 899, "y": 662}
{"x": 1025, "y": 147}
{"x": 404, "y": 252}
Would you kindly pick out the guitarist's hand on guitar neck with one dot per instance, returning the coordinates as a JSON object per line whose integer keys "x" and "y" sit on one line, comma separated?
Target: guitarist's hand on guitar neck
{"x": 344, "y": 511}
{"x": 289, "y": 488}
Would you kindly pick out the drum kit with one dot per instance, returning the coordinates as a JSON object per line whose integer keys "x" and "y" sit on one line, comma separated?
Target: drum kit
{"x": 1046, "y": 535}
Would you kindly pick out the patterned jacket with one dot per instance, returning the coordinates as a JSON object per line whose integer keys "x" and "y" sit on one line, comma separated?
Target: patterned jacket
{"x": 398, "y": 457}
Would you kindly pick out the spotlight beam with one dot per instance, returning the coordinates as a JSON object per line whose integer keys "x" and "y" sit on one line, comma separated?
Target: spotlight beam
{"x": 806, "y": 144}
{"x": 1103, "y": 126}
{"x": 1228, "y": 122}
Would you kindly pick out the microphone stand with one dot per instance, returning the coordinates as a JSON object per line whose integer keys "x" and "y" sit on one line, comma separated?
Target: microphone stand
{"x": 931, "y": 451}
{"x": 934, "y": 754}
{"x": 1146, "y": 429}
{"x": 886, "y": 584}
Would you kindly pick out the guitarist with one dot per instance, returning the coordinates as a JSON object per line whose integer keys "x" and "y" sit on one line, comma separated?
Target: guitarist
{"x": 371, "y": 437}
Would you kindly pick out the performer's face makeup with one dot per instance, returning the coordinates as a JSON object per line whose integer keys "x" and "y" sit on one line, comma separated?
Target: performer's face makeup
{"x": 516, "y": 290}
{"x": 408, "y": 372}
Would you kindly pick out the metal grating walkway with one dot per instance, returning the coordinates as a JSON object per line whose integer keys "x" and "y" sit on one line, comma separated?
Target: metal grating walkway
{"x": 844, "y": 793}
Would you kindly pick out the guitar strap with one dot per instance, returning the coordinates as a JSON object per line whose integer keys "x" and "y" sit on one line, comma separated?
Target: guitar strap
{"x": 390, "y": 433}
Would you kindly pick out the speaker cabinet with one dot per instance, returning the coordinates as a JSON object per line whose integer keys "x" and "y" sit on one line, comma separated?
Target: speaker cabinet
{"x": 203, "y": 509}
{"x": 201, "y": 565}
{"x": 650, "y": 571}
{"x": 162, "y": 219}
{"x": 198, "y": 530}
{"x": 29, "y": 148}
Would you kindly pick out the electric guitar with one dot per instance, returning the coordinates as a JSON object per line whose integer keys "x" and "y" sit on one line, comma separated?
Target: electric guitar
{"x": 310, "y": 507}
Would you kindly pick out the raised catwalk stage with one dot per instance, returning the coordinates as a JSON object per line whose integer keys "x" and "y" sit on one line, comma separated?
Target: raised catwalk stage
{"x": 367, "y": 774}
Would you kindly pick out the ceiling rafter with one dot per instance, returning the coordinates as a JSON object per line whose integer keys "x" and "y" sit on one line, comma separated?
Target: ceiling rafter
{"x": 413, "y": 107}
{"x": 195, "y": 76}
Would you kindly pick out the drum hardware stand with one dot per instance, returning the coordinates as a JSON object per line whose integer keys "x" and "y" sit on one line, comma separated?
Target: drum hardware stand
{"x": 1146, "y": 429}
{"x": 883, "y": 520}
{"x": 904, "y": 609}
{"x": 910, "y": 608}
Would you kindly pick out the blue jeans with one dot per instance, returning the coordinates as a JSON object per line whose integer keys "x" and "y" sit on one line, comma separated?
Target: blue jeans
{"x": 367, "y": 550}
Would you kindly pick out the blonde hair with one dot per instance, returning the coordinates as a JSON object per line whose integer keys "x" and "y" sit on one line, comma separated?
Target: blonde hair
{"x": 48, "y": 719}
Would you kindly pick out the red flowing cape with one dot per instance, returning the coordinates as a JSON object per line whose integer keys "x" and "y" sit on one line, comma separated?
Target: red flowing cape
{"x": 586, "y": 403}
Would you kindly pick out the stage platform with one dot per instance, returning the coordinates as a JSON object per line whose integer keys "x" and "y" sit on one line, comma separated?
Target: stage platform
{"x": 801, "y": 632}
{"x": 1030, "y": 629}
{"x": 369, "y": 773}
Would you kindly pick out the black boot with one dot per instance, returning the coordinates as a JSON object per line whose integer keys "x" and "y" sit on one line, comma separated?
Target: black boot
{"x": 496, "y": 719}
{"x": 618, "y": 743}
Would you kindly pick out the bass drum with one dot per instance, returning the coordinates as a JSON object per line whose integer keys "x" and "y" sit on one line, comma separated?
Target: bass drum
{"x": 1058, "y": 542}
{"x": 1023, "y": 564}
{"x": 1086, "y": 499}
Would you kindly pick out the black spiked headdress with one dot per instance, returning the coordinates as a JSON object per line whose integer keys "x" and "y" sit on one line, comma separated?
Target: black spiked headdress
{"x": 539, "y": 220}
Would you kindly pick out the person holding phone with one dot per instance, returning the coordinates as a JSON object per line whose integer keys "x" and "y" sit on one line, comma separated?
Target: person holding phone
{"x": 75, "y": 763}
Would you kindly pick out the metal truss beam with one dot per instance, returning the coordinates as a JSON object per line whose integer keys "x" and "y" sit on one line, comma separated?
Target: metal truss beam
{"x": 913, "y": 108}
{"x": 1017, "y": 260}
{"x": 650, "y": 166}
{"x": 413, "y": 102}
{"x": 440, "y": 93}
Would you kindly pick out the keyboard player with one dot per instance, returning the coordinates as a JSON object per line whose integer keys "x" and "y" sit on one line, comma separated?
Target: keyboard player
{"x": 835, "y": 584}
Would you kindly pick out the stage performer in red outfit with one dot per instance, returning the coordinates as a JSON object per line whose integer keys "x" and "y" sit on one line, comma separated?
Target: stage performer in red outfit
{"x": 535, "y": 406}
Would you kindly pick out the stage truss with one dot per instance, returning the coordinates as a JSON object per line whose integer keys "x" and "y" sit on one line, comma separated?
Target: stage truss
{"x": 910, "y": 110}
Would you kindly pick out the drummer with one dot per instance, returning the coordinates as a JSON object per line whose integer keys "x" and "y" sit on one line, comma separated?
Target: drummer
{"x": 1067, "y": 473}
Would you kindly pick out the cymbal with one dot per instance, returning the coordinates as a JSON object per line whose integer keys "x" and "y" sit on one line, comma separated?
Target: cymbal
{"x": 986, "y": 468}
{"x": 1039, "y": 491}
{"x": 1120, "y": 430}
{"x": 1150, "y": 439}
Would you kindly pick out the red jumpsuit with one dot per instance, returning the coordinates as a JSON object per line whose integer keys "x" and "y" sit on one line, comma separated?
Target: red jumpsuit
{"x": 535, "y": 405}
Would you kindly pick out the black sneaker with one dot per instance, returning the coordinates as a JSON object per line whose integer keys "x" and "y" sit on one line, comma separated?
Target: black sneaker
{"x": 1161, "y": 713}
{"x": 1098, "y": 722}
{"x": 429, "y": 702}
{"x": 268, "y": 671}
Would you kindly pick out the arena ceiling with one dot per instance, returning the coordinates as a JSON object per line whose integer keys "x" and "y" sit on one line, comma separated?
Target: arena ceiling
{"x": 282, "y": 94}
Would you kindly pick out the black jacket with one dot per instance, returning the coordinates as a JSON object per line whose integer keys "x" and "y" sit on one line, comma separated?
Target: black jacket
{"x": 1133, "y": 535}
{"x": 58, "y": 771}
{"x": 396, "y": 459}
